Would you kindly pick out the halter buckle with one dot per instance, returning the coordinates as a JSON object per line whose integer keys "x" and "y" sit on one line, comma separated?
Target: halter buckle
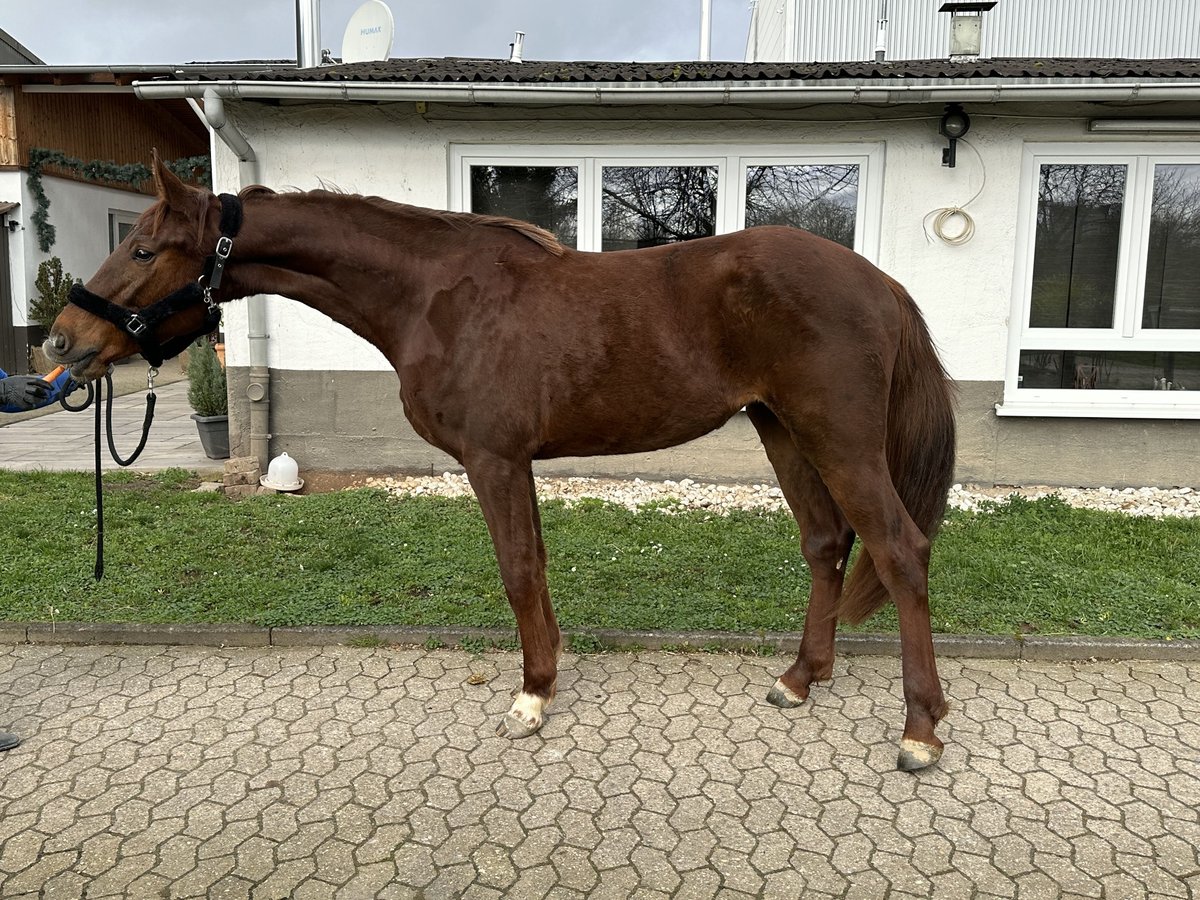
{"x": 135, "y": 325}
{"x": 224, "y": 246}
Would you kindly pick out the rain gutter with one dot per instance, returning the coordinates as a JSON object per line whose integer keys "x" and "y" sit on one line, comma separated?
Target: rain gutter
{"x": 610, "y": 93}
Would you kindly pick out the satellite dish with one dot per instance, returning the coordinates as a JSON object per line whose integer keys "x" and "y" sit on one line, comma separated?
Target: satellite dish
{"x": 368, "y": 34}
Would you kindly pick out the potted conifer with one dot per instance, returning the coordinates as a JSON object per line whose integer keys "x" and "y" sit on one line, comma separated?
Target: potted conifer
{"x": 53, "y": 285}
{"x": 207, "y": 392}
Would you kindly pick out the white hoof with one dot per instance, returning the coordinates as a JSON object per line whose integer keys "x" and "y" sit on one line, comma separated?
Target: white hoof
{"x": 525, "y": 717}
{"x": 916, "y": 755}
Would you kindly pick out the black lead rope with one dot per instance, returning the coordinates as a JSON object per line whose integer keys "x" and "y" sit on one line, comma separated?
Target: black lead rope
{"x": 96, "y": 395}
{"x": 142, "y": 325}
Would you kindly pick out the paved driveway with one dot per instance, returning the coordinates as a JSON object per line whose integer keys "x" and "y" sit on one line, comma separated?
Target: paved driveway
{"x": 340, "y": 772}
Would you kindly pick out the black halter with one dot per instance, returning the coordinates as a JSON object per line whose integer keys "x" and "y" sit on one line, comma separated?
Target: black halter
{"x": 143, "y": 324}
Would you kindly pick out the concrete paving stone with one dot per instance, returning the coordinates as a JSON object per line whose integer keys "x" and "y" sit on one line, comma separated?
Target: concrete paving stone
{"x": 315, "y": 771}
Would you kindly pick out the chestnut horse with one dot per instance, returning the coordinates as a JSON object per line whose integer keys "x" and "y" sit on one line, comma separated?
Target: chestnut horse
{"x": 511, "y": 347}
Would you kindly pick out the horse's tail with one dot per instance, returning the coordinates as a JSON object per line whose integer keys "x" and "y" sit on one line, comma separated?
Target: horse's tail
{"x": 920, "y": 448}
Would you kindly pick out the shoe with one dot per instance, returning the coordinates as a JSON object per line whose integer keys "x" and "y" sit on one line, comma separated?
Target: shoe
{"x": 8, "y": 740}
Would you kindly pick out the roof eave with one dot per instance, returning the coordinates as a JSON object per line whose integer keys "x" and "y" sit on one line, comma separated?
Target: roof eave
{"x": 922, "y": 90}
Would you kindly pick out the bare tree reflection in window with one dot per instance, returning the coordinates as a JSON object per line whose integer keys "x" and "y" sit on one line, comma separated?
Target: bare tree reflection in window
{"x": 544, "y": 195}
{"x": 821, "y": 198}
{"x": 645, "y": 206}
{"x": 1076, "y": 245}
{"x": 1172, "y": 296}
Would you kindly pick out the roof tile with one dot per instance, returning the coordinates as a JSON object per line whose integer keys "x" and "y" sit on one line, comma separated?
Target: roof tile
{"x": 450, "y": 70}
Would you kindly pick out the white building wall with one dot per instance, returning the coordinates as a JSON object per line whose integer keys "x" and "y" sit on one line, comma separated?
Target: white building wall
{"x": 844, "y": 30}
{"x": 965, "y": 291}
{"x": 79, "y": 213}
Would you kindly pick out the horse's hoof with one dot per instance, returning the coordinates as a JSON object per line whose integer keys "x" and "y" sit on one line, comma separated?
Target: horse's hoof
{"x": 783, "y": 696}
{"x": 514, "y": 728}
{"x": 524, "y": 718}
{"x": 916, "y": 755}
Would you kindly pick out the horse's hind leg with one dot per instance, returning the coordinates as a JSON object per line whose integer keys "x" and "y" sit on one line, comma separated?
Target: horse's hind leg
{"x": 862, "y": 487}
{"x": 505, "y": 491}
{"x": 846, "y": 447}
{"x": 825, "y": 541}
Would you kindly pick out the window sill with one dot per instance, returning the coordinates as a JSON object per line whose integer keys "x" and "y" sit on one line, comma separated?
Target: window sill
{"x": 1121, "y": 406}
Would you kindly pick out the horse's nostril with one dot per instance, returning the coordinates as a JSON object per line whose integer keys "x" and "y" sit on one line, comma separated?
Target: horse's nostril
{"x": 58, "y": 342}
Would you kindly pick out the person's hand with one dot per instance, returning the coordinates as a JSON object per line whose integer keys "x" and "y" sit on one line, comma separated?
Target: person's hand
{"x": 24, "y": 391}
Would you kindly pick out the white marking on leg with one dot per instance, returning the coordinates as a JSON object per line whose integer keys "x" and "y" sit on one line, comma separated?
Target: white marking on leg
{"x": 528, "y": 709}
{"x": 920, "y": 751}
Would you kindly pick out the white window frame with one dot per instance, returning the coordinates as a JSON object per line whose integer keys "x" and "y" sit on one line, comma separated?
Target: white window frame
{"x": 117, "y": 218}
{"x": 730, "y": 160}
{"x": 1127, "y": 333}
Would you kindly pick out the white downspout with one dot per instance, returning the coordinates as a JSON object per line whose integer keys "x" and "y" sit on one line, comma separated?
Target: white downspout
{"x": 258, "y": 391}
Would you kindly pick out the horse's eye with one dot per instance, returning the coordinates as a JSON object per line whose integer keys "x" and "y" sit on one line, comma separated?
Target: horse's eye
{"x": 142, "y": 255}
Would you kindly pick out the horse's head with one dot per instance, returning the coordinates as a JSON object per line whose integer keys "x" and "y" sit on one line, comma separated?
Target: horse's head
{"x": 165, "y": 252}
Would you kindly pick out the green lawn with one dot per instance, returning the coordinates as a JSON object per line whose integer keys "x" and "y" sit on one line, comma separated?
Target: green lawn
{"x": 362, "y": 557}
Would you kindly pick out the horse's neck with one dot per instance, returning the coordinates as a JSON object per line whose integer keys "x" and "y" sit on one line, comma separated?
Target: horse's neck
{"x": 361, "y": 266}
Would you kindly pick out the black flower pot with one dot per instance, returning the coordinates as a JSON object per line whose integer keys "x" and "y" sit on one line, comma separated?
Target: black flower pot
{"x": 214, "y": 435}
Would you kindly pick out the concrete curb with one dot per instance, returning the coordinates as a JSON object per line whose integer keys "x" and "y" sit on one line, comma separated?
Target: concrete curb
{"x": 1047, "y": 649}
{"x": 130, "y": 633}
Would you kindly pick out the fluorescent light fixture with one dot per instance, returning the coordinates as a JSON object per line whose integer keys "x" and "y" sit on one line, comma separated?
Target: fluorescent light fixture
{"x": 1145, "y": 126}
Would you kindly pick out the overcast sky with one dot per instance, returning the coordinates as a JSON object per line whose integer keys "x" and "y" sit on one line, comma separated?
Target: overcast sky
{"x": 131, "y": 32}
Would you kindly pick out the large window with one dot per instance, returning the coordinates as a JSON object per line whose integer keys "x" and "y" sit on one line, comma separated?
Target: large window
{"x": 1106, "y": 311}
{"x": 617, "y": 198}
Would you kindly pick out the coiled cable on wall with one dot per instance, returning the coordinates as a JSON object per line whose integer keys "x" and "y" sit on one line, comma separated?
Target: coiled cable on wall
{"x": 947, "y": 214}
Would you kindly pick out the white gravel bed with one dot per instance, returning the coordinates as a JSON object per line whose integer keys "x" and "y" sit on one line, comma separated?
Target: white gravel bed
{"x": 720, "y": 498}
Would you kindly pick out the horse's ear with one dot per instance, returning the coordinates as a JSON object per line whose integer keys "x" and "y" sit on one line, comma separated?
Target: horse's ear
{"x": 171, "y": 190}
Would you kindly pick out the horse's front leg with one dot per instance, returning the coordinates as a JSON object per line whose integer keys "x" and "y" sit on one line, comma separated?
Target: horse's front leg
{"x": 503, "y": 487}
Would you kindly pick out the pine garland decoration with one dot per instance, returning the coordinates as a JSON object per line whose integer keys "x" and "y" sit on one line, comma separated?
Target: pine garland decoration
{"x": 197, "y": 168}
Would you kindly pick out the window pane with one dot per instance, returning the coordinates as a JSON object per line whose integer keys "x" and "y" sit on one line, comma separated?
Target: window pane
{"x": 1108, "y": 370}
{"x": 119, "y": 225}
{"x": 1172, "y": 298}
{"x": 544, "y": 195}
{"x": 644, "y": 206}
{"x": 822, "y": 199}
{"x": 1076, "y": 246}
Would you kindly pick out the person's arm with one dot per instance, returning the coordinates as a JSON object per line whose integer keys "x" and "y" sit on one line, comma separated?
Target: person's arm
{"x": 21, "y": 393}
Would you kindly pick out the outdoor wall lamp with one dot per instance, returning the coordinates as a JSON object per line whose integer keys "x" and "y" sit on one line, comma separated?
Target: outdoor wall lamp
{"x": 955, "y": 123}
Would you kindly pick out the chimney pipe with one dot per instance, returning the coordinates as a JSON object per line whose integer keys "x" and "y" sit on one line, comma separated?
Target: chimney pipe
{"x": 308, "y": 33}
{"x": 705, "y": 30}
{"x": 881, "y": 33}
{"x": 516, "y": 48}
{"x": 966, "y": 27}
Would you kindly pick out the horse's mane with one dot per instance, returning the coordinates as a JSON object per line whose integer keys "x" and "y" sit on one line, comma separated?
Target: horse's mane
{"x": 457, "y": 220}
